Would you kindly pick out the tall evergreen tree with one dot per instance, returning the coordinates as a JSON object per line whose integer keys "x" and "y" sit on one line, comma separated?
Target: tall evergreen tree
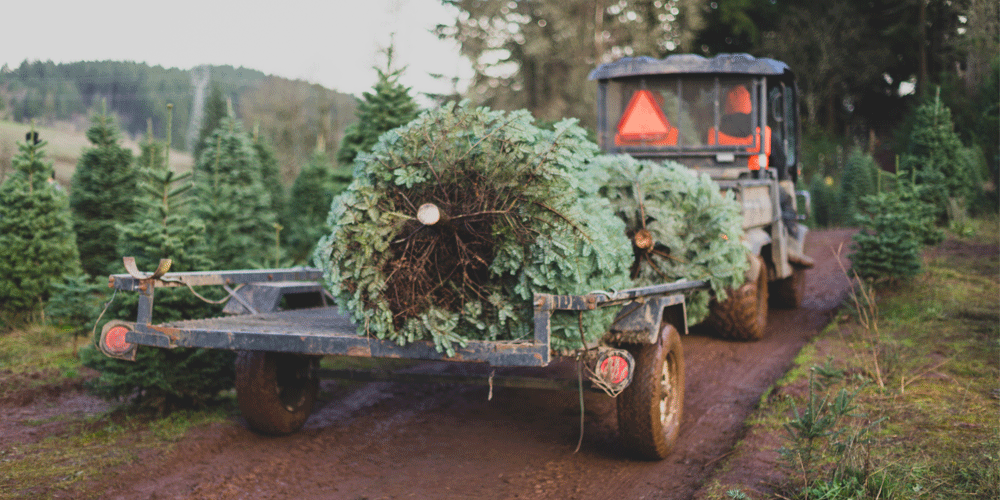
{"x": 270, "y": 172}
{"x": 37, "y": 242}
{"x": 215, "y": 111}
{"x": 937, "y": 158}
{"x": 103, "y": 195}
{"x": 165, "y": 228}
{"x": 390, "y": 106}
{"x": 312, "y": 192}
{"x": 232, "y": 200}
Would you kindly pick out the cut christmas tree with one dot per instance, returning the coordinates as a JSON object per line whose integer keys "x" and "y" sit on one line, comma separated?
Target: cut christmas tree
{"x": 680, "y": 225}
{"x": 454, "y": 221}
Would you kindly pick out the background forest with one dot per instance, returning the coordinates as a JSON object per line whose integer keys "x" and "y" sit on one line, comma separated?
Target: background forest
{"x": 863, "y": 66}
{"x": 290, "y": 114}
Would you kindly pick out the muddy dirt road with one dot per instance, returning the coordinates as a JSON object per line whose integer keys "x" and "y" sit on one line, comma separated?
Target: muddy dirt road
{"x": 390, "y": 440}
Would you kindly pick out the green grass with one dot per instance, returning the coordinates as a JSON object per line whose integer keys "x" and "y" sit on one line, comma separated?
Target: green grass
{"x": 39, "y": 348}
{"x": 88, "y": 448}
{"x": 937, "y": 353}
{"x": 85, "y": 446}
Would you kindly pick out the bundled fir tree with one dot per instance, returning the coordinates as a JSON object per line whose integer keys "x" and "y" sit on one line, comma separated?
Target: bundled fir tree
{"x": 231, "y": 200}
{"x": 37, "y": 242}
{"x": 388, "y": 107}
{"x": 312, "y": 193}
{"x": 103, "y": 196}
{"x": 164, "y": 379}
{"x": 454, "y": 220}
{"x": 680, "y": 225}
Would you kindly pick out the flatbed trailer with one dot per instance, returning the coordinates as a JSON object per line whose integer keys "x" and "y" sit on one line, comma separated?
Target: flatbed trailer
{"x": 639, "y": 360}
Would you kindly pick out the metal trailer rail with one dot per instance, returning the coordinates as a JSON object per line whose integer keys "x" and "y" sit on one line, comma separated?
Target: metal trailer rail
{"x": 326, "y": 331}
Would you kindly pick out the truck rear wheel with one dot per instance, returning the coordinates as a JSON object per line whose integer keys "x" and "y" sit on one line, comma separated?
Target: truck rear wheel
{"x": 743, "y": 315}
{"x": 651, "y": 407}
{"x": 787, "y": 293}
{"x": 275, "y": 391}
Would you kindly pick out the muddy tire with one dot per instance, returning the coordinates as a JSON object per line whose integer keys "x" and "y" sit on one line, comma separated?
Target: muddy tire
{"x": 787, "y": 293}
{"x": 743, "y": 315}
{"x": 651, "y": 407}
{"x": 275, "y": 391}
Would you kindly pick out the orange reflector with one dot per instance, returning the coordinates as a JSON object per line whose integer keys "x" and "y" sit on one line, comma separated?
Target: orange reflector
{"x": 643, "y": 120}
{"x": 114, "y": 340}
{"x": 614, "y": 369}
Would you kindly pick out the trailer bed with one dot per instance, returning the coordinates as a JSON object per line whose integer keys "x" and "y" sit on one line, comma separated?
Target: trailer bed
{"x": 321, "y": 331}
{"x": 325, "y": 331}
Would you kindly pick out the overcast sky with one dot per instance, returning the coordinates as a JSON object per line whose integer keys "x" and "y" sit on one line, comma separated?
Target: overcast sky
{"x": 334, "y": 43}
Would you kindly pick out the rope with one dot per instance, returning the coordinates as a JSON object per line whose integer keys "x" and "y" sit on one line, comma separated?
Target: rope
{"x": 579, "y": 380}
{"x": 93, "y": 332}
{"x": 210, "y": 301}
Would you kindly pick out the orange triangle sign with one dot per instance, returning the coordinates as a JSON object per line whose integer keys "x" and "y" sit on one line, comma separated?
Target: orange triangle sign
{"x": 643, "y": 119}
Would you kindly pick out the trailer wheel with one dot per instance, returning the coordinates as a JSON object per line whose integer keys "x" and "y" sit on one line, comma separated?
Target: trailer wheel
{"x": 787, "y": 293}
{"x": 275, "y": 391}
{"x": 651, "y": 407}
{"x": 743, "y": 315}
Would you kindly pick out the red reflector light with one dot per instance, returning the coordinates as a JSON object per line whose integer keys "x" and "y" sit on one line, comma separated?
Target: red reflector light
{"x": 614, "y": 369}
{"x": 115, "y": 341}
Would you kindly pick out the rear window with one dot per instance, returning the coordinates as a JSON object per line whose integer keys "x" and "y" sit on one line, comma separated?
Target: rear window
{"x": 687, "y": 110}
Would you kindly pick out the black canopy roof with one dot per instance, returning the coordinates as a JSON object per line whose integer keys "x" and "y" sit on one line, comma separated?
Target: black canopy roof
{"x": 741, "y": 64}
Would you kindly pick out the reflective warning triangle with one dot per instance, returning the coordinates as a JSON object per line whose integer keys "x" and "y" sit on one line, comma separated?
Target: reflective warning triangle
{"x": 643, "y": 119}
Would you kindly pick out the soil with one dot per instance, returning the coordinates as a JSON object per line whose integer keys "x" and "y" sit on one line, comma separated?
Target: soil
{"x": 395, "y": 440}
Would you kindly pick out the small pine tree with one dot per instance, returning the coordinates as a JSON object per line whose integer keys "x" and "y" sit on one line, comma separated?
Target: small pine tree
{"x": 37, "y": 242}
{"x": 894, "y": 228}
{"x": 232, "y": 200}
{"x": 390, "y": 106}
{"x": 857, "y": 180}
{"x": 313, "y": 191}
{"x": 103, "y": 195}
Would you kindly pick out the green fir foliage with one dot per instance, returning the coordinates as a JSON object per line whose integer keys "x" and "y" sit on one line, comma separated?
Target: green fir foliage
{"x": 312, "y": 193}
{"x": 37, "y": 242}
{"x": 517, "y": 226}
{"x": 76, "y": 303}
{"x": 164, "y": 229}
{"x": 937, "y": 159}
{"x": 894, "y": 228}
{"x": 103, "y": 196}
{"x": 696, "y": 229}
{"x": 270, "y": 173}
{"x": 824, "y": 199}
{"x": 231, "y": 199}
{"x": 388, "y": 107}
{"x": 213, "y": 113}
{"x": 858, "y": 179}
{"x": 160, "y": 378}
